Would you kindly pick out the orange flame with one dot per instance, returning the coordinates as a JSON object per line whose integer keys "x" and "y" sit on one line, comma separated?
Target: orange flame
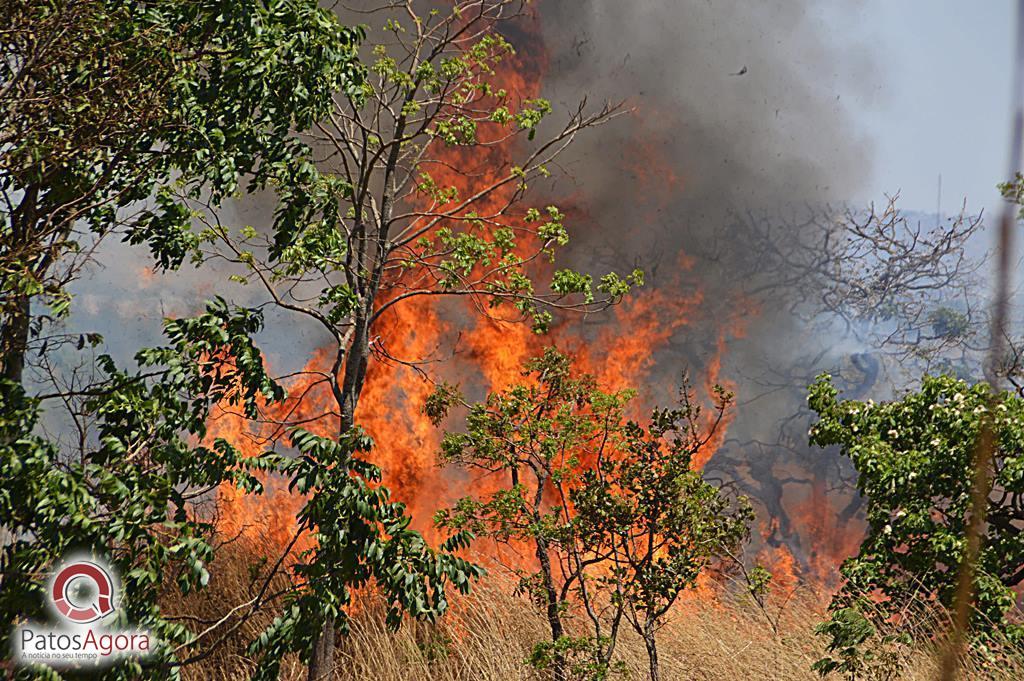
{"x": 490, "y": 354}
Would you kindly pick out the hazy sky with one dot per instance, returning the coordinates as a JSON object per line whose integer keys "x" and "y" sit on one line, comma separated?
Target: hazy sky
{"x": 940, "y": 100}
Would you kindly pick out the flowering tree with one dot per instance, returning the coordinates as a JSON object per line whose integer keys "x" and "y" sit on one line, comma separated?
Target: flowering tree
{"x": 914, "y": 459}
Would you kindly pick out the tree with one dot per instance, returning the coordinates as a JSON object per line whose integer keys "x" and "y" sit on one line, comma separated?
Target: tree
{"x": 538, "y": 434}
{"x": 112, "y": 114}
{"x": 132, "y": 492}
{"x": 367, "y": 538}
{"x": 656, "y": 524}
{"x": 901, "y": 284}
{"x": 617, "y": 520}
{"x": 901, "y": 290}
{"x": 914, "y": 459}
{"x": 105, "y": 104}
{"x": 417, "y": 198}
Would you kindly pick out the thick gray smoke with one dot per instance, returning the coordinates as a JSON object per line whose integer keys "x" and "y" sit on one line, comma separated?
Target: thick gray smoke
{"x": 738, "y": 111}
{"x": 738, "y": 108}
{"x": 743, "y": 101}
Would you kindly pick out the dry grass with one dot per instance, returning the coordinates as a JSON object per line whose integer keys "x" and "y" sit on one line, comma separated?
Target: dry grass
{"x": 488, "y": 635}
{"x": 492, "y": 632}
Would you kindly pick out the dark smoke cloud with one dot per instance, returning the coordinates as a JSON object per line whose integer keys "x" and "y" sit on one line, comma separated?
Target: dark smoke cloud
{"x": 776, "y": 135}
{"x": 739, "y": 109}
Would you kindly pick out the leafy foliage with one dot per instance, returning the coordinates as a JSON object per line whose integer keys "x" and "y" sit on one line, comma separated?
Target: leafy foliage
{"x": 161, "y": 108}
{"x": 360, "y": 535}
{"x": 105, "y": 104}
{"x": 857, "y": 649}
{"x": 130, "y": 494}
{"x": 420, "y": 194}
{"x": 118, "y": 117}
{"x": 914, "y": 459}
{"x": 652, "y": 518}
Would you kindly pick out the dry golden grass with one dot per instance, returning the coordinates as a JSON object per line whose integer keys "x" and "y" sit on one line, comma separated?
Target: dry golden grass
{"x": 488, "y": 635}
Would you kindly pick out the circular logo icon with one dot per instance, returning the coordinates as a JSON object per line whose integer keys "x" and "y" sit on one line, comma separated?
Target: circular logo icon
{"x": 83, "y": 592}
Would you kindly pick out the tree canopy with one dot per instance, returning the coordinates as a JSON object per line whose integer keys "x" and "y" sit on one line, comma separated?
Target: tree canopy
{"x": 105, "y": 105}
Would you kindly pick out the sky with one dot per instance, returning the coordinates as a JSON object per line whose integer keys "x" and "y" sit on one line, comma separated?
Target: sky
{"x": 937, "y": 101}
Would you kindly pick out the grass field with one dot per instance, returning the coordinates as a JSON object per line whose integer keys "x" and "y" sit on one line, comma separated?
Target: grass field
{"x": 488, "y": 635}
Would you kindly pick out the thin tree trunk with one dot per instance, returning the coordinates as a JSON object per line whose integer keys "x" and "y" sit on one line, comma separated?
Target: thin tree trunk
{"x": 553, "y": 616}
{"x": 652, "y": 651}
{"x": 347, "y": 395}
{"x": 14, "y": 339}
{"x": 321, "y": 664}
{"x": 14, "y": 327}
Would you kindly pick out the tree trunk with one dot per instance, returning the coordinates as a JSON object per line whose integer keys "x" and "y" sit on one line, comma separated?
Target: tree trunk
{"x": 652, "y": 651}
{"x": 16, "y": 315}
{"x": 14, "y": 339}
{"x": 321, "y": 663}
{"x": 553, "y": 616}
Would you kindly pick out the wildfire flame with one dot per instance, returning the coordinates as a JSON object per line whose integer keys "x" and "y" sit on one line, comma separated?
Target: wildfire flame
{"x": 489, "y": 356}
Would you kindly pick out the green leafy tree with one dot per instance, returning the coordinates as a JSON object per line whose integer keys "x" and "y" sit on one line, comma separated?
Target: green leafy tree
{"x": 421, "y": 193}
{"x": 105, "y": 105}
{"x": 617, "y": 519}
{"x": 914, "y": 460}
{"x": 653, "y": 520}
{"x": 368, "y": 538}
{"x": 113, "y": 115}
{"x": 131, "y": 494}
{"x": 537, "y": 434}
